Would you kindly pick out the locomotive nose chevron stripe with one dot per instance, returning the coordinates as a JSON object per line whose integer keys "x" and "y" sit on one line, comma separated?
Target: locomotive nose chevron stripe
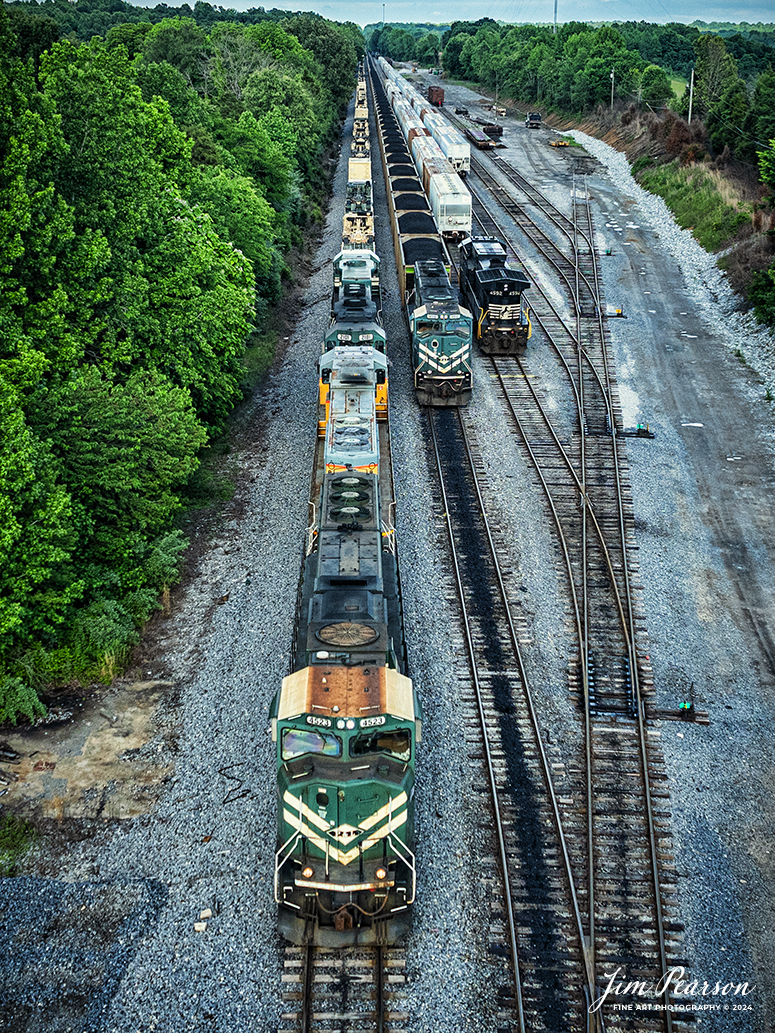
{"x": 303, "y": 818}
{"x": 430, "y": 357}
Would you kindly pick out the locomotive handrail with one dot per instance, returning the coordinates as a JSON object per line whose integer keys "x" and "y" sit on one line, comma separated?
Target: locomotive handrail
{"x": 312, "y": 530}
{"x": 397, "y": 845}
{"x": 289, "y": 844}
{"x": 389, "y": 537}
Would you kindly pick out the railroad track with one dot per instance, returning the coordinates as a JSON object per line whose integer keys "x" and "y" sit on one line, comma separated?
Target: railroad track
{"x": 344, "y": 990}
{"x": 525, "y": 869}
{"x": 615, "y": 798}
{"x": 571, "y": 256}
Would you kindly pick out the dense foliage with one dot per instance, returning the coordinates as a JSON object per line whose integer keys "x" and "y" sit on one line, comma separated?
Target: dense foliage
{"x": 403, "y": 42}
{"x": 762, "y": 289}
{"x": 150, "y": 182}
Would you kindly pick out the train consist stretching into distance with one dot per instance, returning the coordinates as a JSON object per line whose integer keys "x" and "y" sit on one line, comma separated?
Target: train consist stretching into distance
{"x": 346, "y": 721}
{"x": 441, "y": 329}
{"x": 490, "y": 285}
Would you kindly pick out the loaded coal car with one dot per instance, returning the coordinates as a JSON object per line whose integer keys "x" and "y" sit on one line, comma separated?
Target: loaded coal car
{"x": 494, "y": 290}
{"x": 440, "y": 328}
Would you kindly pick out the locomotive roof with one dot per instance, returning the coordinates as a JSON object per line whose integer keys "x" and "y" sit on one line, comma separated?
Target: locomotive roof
{"x": 333, "y": 691}
{"x": 485, "y": 247}
{"x": 502, "y": 274}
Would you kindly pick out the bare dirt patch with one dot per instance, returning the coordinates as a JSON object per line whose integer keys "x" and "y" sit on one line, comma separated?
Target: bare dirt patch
{"x": 109, "y": 761}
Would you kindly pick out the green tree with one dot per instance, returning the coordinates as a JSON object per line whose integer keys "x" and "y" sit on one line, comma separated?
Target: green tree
{"x": 36, "y": 530}
{"x": 123, "y": 447}
{"x": 332, "y": 47}
{"x": 759, "y": 125}
{"x": 182, "y": 43}
{"x": 655, "y": 87}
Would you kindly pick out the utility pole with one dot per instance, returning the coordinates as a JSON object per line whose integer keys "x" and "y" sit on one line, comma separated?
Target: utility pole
{"x": 383, "y": 16}
{"x": 612, "y": 90}
{"x": 555, "y": 17}
{"x": 691, "y": 96}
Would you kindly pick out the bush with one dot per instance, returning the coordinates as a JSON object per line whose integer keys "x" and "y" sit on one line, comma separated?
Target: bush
{"x": 762, "y": 294}
{"x": 644, "y": 162}
{"x": 18, "y": 699}
{"x": 103, "y": 633}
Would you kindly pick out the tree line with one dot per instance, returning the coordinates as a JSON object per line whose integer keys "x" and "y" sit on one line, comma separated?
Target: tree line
{"x": 151, "y": 181}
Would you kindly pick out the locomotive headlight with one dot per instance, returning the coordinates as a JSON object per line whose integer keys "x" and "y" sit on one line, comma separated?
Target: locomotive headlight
{"x": 350, "y": 724}
{"x": 381, "y": 873}
{"x": 340, "y": 723}
{"x": 308, "y": 872}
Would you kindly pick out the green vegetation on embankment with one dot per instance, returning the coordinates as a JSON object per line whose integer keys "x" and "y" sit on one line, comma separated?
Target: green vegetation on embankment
{"x": 695, "y": 197}
{"x": 156, "y": 169}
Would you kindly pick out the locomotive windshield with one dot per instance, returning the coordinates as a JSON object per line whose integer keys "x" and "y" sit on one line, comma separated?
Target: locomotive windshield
{"x": 398, "y": 744}
{"x": 298, "y": 741}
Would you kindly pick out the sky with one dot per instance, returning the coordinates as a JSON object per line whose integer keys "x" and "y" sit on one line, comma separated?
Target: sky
{"x": 368, "y": 11}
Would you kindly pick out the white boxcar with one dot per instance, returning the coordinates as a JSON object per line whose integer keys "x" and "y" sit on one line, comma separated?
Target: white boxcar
{"x": 450, "y": 204}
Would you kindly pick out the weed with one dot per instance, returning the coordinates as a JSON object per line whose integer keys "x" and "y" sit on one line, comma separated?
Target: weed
{"x": 18, "y": 699}
{"x": 740, "y": 357}
{"x": 16, "y": 836}
{"x": 768, "y": 395}
{"x": 644, "y": 162}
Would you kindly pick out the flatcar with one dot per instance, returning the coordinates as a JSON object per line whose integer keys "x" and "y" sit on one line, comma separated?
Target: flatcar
{"x": 346, "y": 721}
{"x": 495, "y": 291}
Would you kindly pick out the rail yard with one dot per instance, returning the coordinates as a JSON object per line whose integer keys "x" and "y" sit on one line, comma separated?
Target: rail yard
{"x": 585, "y": 559}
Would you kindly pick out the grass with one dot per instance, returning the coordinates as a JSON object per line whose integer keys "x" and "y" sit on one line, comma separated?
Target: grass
{"x": 680, "y": 87}
{"x": 700, "y": 199}
{"x": 16, "y": 837}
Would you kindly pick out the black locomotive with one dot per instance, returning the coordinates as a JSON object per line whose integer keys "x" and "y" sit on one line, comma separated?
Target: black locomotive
{"x": 494, "y": 291}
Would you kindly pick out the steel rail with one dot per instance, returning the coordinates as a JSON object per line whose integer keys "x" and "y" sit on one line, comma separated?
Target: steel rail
{"x": 486, "y": 740}
{"x": 528, "y": 696}
{"x": 625, "y": 606}
{"x": 640, "y": 710}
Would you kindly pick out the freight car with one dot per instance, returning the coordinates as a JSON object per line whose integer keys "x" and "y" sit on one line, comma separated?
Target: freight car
{"x": 347, "y": 719}
{"x": 478, "y": 138}
{"x": 491, "y": 129}
{"x": 441, "y": 357}
{"x": 494, "y": 290}
{"x": 450, "y": 200}
{"x": 455, "y": 147}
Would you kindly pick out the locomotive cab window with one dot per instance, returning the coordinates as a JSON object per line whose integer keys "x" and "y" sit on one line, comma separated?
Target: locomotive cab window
{"x": 298, "y": 741}
{"x": 397, "y": 744}
{"x": 424, "y": 329}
